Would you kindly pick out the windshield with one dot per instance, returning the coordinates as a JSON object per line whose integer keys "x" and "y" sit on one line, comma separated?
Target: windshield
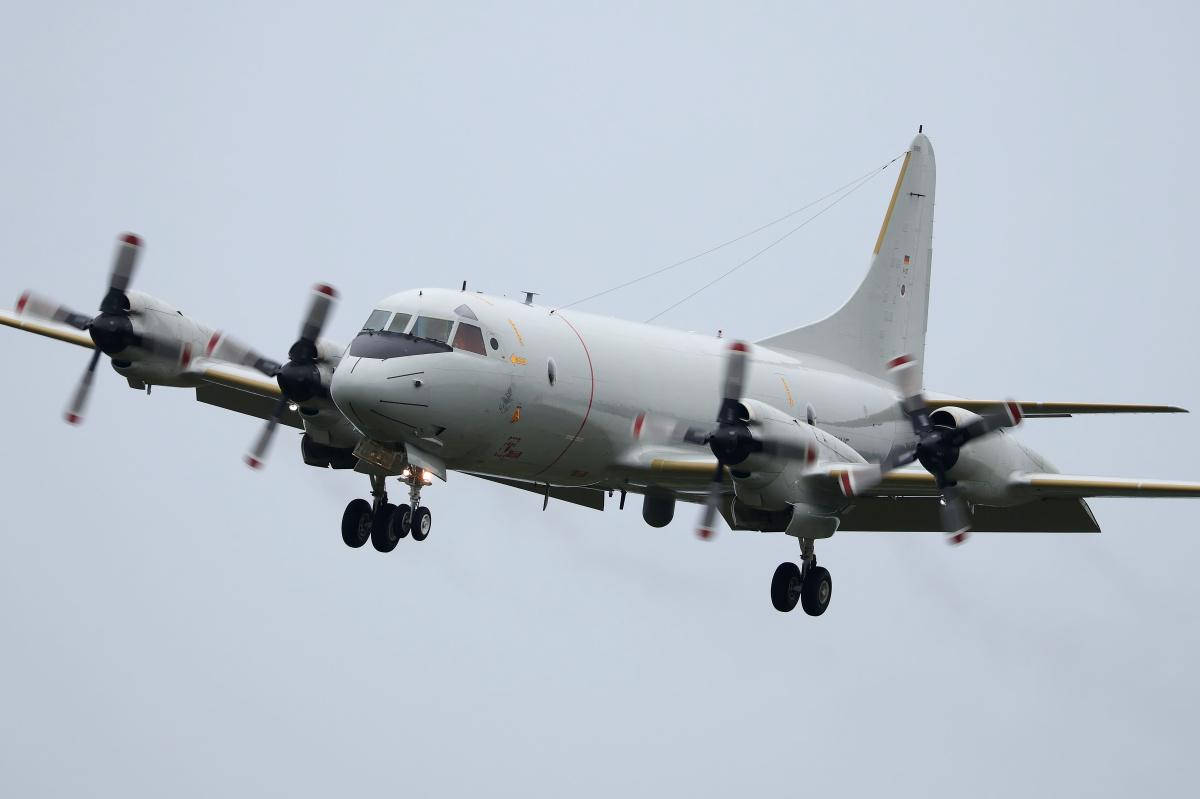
{"x": 433, "y": 329}
{"x": 377, "y": 319}
{"x": 399, "y": 322}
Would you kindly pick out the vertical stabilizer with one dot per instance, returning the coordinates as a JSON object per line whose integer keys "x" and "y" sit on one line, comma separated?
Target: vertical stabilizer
{"x": 887, "y": 315}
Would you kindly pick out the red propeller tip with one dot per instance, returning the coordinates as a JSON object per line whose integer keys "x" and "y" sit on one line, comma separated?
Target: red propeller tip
{"x": 1014, "y": 410}
{"x": 131, "y": 240}
{"x": 327, "y": 290}
{"x": 22, "y": 301}
{"x": 705, "y": 533}
{"x": 739, "y": 346}
{"x": 72, "y": 418}
{"x": 212, "y": 345}
{"x": 253, "y": 462}
{"x": 898, "y": 361}
{"x": 960, "y": 536}
{"x": 185, "y": 359}
{"x": 847, "y": 486}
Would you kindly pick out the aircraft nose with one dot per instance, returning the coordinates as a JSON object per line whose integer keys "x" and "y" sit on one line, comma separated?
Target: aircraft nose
{"x": 388, "y": 400}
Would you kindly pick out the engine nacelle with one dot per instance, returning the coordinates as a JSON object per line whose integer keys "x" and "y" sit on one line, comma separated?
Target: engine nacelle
{"x": 152, "y": 319}
{"x": 770, "y": 483}
{"x": 984, "y": 464}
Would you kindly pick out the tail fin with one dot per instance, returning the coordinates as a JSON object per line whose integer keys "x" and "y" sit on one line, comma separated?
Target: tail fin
{"x": 887, "y": 315}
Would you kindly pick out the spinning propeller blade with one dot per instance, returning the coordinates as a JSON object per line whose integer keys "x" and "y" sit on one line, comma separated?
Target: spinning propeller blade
{"x": 731, "y": 441}
{"x": 74, "y": 412}
{"x": 34, "y": 304}
{"x": 299, "y": 379}
{"x": 936, "y": 447}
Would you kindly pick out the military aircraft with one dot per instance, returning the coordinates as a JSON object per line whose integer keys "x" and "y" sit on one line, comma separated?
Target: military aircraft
{"x": 808, "y": 432}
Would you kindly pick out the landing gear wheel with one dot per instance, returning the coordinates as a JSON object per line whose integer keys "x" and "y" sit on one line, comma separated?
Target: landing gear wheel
{"x": 422, "y": 520}
{"x": 401, "y": 521}
{"x": 816, "y": 591}
{"x": 356, "y": 523}
{"x": 381, "y": 537}
{"x": 786, "y": 587}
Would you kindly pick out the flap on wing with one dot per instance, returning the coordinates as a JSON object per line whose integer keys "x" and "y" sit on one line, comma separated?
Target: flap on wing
{"x": 235, "y": 399}
{"x": 49, "y": 329}
{"x": 1074, "y": 485}
{"x": 1034, "y": 410}
{"x": 230, "y": 376}
{"x": 587, "y": 497}
{"x": 923, "y": 515}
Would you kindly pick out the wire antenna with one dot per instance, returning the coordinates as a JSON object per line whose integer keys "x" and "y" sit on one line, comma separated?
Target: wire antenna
{"x": 859, "y": 181}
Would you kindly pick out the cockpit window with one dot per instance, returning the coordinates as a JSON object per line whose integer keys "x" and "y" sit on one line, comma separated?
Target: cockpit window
{"x": 433, "y": 329}
{"x": 469, "y": 338}
{"x": 377, "y": 319}
{"x": 399, "y": 322}
{"x": 463, "y": 310}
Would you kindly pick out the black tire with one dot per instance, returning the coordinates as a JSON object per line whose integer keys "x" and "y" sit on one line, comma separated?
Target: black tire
{"x": 356, "y": 523}
{"x": 785, "y": 587}
{"x": 401, "y": 521}
{"x": 381, "y": 536}
{"x": 422, "y": 520}
{"x": 816, "y": 591}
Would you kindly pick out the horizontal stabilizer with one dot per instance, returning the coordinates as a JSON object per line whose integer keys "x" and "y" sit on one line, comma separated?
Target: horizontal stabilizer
{"x": 1050, "y": 409}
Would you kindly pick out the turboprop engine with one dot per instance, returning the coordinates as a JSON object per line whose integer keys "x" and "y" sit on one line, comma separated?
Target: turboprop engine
{"x": 149, "y": 342}
{"x": 982, "y": 466}
{"x": 304, "y": 382}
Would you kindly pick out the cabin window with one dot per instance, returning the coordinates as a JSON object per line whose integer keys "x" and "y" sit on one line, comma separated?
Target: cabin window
{"x": 469, "y": 338}
{"x": 400, "y": 322}
{"x": 377, "y": 319}
{"x": 433, "y": 329}
{"x": 463, "y": 310}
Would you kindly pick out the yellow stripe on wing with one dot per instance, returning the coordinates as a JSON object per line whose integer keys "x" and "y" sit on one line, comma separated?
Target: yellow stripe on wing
{"x": 48, "y": 329}
{"x": 245, "y": 381}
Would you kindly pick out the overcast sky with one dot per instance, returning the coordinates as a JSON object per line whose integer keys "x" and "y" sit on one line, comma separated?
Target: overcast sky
{"x": 173, "y": 623}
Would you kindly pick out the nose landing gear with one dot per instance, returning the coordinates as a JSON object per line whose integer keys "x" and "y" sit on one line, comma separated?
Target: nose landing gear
{"x": 383, "y": 523}
{"x": 809, "y": 585}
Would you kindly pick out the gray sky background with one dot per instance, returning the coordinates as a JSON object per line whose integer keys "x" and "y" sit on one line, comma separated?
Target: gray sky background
{"x": 174, "y": 623}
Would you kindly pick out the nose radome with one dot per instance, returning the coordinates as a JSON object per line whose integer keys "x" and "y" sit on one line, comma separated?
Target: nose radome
{"x": 387, "y": 400}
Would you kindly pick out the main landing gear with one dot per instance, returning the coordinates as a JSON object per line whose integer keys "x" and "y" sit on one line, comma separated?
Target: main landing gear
{"x": 810, "y": 584}
{"x": 384, "y": 523}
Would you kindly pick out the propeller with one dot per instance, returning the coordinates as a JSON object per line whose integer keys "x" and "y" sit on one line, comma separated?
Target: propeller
{"x": 937, "y": 448}
{"x": 111, "y": 329}
{"x": 299, "y": 379}
{"x": 730, "y": 441}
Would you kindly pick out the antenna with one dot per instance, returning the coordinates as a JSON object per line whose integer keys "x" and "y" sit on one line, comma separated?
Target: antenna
{"x": 464, "y": 288}
{"x": 529, "y": 295}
